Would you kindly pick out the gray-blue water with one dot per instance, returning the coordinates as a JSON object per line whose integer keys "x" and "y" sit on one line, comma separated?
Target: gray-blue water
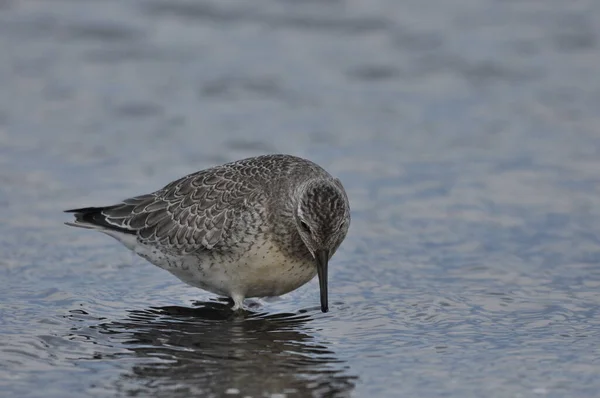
{"x": 466, "y": 132}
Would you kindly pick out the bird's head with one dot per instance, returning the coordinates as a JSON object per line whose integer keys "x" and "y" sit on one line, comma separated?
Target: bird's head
{"x": 322, "y": 218}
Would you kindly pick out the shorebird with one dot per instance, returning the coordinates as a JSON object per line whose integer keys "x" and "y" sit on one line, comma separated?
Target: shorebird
{"x": 257, "y": 227}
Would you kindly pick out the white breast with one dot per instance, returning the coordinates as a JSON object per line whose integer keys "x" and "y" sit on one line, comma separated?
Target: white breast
{"x": 267, "y": 271}
{"x": 262, "y": 271}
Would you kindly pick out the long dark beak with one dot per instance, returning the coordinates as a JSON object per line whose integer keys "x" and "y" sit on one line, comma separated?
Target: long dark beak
{"x": 322, "y": 257}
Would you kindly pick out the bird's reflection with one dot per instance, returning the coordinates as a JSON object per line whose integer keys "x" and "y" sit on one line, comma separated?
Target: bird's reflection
{"x": 210, "y": 351}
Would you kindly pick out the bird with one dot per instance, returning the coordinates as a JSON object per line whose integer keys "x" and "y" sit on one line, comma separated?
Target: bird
{"x": 261, "y": 226}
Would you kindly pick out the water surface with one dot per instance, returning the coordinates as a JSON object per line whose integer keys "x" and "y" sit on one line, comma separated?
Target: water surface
{"x": 466, "y": 134}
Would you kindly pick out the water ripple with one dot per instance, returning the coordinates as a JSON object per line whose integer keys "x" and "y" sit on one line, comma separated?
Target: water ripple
{"x": 209, "y": 350}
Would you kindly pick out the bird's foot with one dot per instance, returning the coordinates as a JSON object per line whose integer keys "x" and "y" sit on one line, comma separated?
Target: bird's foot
{"x": 253, "y": 304}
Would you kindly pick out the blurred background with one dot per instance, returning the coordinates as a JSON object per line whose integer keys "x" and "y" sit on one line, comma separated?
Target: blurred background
{"x": 466, "y": 133}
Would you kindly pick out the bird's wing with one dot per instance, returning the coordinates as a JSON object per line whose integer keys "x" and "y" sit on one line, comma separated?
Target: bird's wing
{"x": 193, "y": 213}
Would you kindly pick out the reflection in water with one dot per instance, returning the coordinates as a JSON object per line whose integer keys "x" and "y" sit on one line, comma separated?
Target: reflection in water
{"x": 210, "y": 351}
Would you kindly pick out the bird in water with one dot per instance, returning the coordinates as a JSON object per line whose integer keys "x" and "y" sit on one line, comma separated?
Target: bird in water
{"x": 257, "y": 227}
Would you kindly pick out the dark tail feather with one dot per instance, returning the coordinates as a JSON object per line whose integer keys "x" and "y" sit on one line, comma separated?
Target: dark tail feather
{"x": 88, "y": 209}
{"x": 90, "y": 217}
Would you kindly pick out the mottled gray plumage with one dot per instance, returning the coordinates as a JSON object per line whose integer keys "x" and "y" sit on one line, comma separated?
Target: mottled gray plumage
{"x": 261, "y": 226}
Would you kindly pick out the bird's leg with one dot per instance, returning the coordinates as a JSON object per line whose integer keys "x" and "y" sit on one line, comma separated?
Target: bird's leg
{"x": 238, "y": 302}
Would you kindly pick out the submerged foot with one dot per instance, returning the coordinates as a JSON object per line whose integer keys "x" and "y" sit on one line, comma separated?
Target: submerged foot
{"x": 253, "y": 304}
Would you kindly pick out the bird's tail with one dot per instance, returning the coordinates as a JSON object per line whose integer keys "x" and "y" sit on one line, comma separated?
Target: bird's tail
{"x": 92, "y": 218}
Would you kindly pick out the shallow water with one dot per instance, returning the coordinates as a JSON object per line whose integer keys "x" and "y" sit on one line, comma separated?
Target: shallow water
{"x": 467, "y": 136}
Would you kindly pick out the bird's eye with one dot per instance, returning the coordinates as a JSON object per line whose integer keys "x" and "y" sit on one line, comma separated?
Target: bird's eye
{"x": 305, "y": 227}
{"x": 340, "y": 226}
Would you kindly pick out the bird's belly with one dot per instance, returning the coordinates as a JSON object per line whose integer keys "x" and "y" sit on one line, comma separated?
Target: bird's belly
{"x": 263, "y": 270}
{"x": 269, "y": 272}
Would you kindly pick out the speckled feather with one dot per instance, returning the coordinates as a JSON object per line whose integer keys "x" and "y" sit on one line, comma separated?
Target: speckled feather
{"x": 197, "y": 211}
